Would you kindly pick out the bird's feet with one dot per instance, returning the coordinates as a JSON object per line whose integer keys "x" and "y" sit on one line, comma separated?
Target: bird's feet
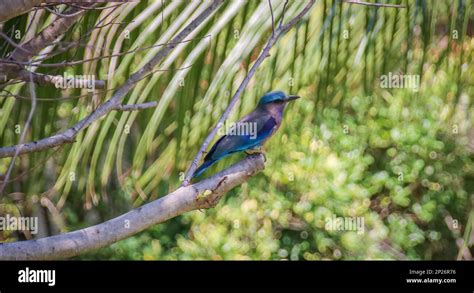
{"x": 257, "y": 150}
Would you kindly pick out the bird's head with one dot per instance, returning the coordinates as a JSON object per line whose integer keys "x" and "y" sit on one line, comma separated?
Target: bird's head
{"x": 276, "y": 98}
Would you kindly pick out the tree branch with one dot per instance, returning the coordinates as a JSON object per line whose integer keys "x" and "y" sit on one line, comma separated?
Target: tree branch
{"x": 374, "y": 4}
{"x": 47, "y": 36}
{"x": 67, "y": 136}
{"x": 30, "y": 48}
{"x": 59, "y": 81}
{"x": 10, "y": 9}
{"x": 278, "y": 32}
{"x": 136, "y": 106}
{"x": 201, "y": 195}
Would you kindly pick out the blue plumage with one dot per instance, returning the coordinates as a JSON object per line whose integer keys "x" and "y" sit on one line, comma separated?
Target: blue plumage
{"x": 264, "y": 121}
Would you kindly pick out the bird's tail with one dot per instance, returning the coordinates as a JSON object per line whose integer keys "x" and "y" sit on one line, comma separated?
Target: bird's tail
{"x": 203, "y": 167}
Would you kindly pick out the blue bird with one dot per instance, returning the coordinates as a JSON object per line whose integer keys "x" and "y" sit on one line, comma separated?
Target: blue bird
{"x": 250, "y": 132}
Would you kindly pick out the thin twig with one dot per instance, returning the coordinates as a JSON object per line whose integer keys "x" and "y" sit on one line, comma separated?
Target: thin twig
{"x": 273, "y": 18}
{"x": 70, "y": 45}
{"x": 41, "y": 163}
{"x": 100, "y": 8}
{"x": 62, "y": 14}
{"x": 11, "y": 42}
{"x": 46, "y": 36}
{"x": 55, "y": 80}
{"x": 136, "y": 107}
{"x": 23, "y": 135}
{"x": 30, "y": 24}
{"x": 36, "y": 63}
{"x": 374, "y": 4}
{"x": 283, "y": 13}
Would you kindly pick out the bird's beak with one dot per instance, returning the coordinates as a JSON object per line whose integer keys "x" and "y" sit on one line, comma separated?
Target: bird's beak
{"x": 291, "y": 98}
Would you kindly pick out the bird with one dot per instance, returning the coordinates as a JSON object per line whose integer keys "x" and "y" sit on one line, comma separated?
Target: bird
{"x": 264, "y": 120}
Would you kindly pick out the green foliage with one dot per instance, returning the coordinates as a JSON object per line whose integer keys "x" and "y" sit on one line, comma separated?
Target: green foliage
{"x": 397, "y": 158}
{"x": 394, "y": 164}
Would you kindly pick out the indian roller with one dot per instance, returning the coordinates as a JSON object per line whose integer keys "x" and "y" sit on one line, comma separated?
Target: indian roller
{"x": 264, "y": 120}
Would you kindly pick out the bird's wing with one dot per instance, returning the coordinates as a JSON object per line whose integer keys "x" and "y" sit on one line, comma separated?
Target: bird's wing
{"x": 264, "y": 120}
{"x": 228, "y": 144}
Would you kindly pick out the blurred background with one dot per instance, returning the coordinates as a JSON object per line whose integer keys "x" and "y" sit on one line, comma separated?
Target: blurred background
{"x": 399, "y": 158}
